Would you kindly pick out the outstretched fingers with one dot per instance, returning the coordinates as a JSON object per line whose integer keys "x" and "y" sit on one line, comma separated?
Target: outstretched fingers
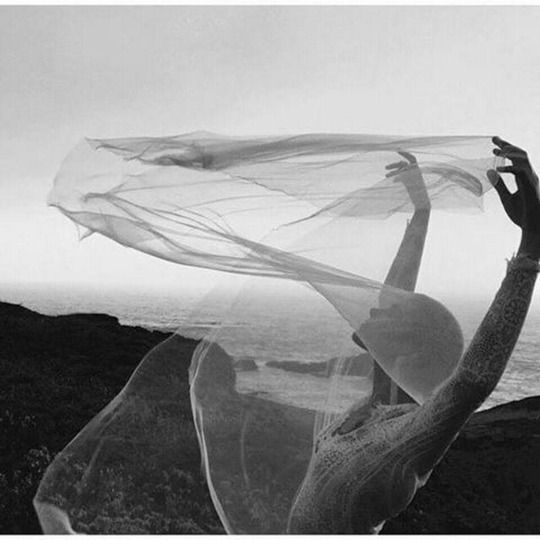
{"x": 396, "y": 165}
{"x": 509, "y": 201}
{"x": 511, "y": 153}
{"x": 520, "y": 168}
{"x": 514, "y": 153}
{"x": 508, "y": 169}
{"x": 504, "y": 147}
{"x": 409, "y": 157}
{"x": 399, "y": 166}
{"x": 396, "y": 169}
{"x": 500, "y": 187}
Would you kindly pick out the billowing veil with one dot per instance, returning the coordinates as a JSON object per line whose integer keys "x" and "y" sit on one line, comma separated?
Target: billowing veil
{"x": 312, "y": 222}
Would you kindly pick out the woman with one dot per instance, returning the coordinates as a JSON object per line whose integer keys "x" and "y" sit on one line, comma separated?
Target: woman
{"x": 367, "y": 466}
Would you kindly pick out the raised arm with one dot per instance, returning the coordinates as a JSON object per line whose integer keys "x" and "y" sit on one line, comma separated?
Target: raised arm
{"x": 439, "y": 420}
{"x": 404, "y": 270}
{"x": 403, "y": 273}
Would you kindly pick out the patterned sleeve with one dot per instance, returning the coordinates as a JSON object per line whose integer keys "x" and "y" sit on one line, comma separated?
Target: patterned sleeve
{"x": 438, "y": 421}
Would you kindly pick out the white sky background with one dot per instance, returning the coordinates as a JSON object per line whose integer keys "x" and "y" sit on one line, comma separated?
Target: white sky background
{"x": 69, "y": 72}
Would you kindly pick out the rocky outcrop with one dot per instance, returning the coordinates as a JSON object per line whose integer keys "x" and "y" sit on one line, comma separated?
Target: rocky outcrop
{"x": 245, "y": 363}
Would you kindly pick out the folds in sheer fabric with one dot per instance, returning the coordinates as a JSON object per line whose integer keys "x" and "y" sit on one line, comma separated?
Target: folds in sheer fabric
{"x": 313, "y": 222}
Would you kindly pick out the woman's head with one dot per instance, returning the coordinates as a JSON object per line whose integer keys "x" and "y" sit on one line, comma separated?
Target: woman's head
{"x": 415, "y": 339}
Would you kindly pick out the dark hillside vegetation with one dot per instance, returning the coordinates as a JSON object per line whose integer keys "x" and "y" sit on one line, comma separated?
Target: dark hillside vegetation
{"x": 59, "y": 372}
{"x": 56, "y": 374}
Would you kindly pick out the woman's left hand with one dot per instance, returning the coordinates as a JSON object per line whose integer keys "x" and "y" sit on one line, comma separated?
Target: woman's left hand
{"x": 523, "y": 206}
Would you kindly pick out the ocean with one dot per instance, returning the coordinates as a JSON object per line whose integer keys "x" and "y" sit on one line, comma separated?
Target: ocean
{"x": 283, "y": 330}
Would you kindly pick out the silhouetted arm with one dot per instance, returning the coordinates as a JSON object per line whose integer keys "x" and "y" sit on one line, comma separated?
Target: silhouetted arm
{"x": 439, "y": 420}
{"x": 403, "y": 273}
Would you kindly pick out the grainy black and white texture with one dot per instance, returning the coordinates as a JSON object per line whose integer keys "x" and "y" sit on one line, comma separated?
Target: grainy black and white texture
{"x": 359, "y": 479}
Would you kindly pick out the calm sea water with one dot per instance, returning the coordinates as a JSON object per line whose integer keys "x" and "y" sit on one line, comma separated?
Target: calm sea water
{"x": 285, "y": 329}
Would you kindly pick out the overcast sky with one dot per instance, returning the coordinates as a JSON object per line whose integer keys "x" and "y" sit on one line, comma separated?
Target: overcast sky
{"x": 69, "y": 72}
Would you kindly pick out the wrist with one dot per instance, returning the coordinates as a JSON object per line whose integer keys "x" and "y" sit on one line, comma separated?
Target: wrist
{"x": 530, "y": 246}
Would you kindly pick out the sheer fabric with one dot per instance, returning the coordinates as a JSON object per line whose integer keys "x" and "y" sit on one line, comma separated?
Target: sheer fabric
{"x": 312, "y": 221}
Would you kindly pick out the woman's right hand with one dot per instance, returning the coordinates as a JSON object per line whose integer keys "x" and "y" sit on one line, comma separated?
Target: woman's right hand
{"x": 410, "y": 175}
{"x": 523, "y": 206}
